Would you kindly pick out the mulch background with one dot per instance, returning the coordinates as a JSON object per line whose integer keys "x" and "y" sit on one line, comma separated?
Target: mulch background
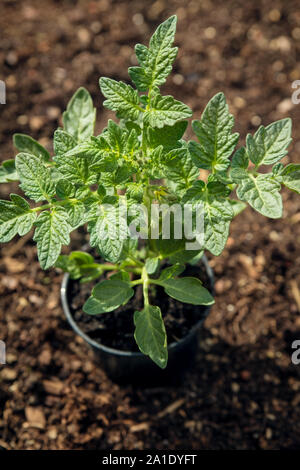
{"x": 244, "y": 392}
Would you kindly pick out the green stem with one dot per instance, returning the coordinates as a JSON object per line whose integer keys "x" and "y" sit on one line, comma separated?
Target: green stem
{"x": 41, "y": 208}
{"x": 154, "y": 281}
{"x": 136, "y": 261}
{"x": 145, "y": 280}
{"x": 63, "y": 202}
{"x": 112, "y": 267}
{"x": 104, "y": 267}
{"x": 144, "y": 142}
{"x": 53, "y": 204}
{"x": 136, "y": 283}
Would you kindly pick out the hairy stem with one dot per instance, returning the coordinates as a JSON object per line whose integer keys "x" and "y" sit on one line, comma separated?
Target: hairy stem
{"x": 53, "y": 204}
{"x": 145, "y": 280}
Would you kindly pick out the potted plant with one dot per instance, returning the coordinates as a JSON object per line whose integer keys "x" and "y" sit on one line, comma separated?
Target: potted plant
{"x": 137, "y": 189}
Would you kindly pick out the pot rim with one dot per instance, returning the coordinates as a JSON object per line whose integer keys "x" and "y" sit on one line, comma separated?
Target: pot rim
{"x": 119, "y": 352}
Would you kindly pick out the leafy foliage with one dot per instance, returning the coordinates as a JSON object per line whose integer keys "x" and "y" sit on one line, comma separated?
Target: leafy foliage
{"x": 97, "y": 181}
{"x": 188, "y": 290}
{"x": 165, "y": 111}
{"x": 79, "y": 118}
{"x": 155, "y": 61}
{"x": 269, "y": 144}
{"x": 107, "y": 296}
{"x": 121, "y": 98}
{"x": 8, "y": 171}
{"x": 262, "y": 190}
{"x": 214, "y": 131}
{"x": 15, "y": 217}
{"x": 79, "y": 265}
{"x": 150, "y": 334}
{"x": 26, "y": 144}
{"x": 51, "y": 233}
{"x": 35, "y": 177}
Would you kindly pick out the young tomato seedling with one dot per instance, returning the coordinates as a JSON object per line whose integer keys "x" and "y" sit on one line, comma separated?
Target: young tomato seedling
{"x": 142, "y": 162}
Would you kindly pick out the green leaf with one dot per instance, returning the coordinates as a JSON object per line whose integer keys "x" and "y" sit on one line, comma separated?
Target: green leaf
{"x": 180, "y": 169}
{"x": 196, "y": 258}
{"x": 139, "y": 77}
{"x": 218, "y": 189}
{"x": 167, "y": 136}
{"x": 165, "y": 110}
{"x": 290, "y": 177}
{"x": 77, "y": 213}
{"x": 150, "y": 334}
{"x": 26, "y": 144}
{"x": 194, "y": 192}
{"x": 269, "y": 144}
{"x": 78, "y": 169}
{"x": 152, "y": 265}
{"x": 35, "y": 177}
{"x": 121, "y": 174}
{"x": 120, "y": 276}
{"x": 217, "y": 215}
{"x": 63, "y": 142}
{"x": 131, "y": 125}
{"x": 65, "y": 189}
{"x": 79, "y": 265}
{"x": 214, "y": 132}
{"x": 121, "y": 143}
{"x": 79, "y": 118}
{"x": 81, "y": 257}
{"x": 51, "y": 233}
{"x": 116, "y": 138}
{"x": 237, "y": 206}
{"x": 121, "y": 98}
{"x": 101, "y": 191}
{"x": 239, "y": 165}
{"x": 169, "y": 247}
{"x": 15, "y": 217}
{"x": 91, "y": 208}
{"x": 186, "y": 256}
{"x": 135, "y": 191}
{"x": 129, "y": 248}
{"x": 115, "y": 147}
{"x": 156, "y": 61}
{"x": 108, "y": 296}
{"x": 8, "y": 171}
{"x": 153, "y": 166}
{"x": 108, "y": 232}
{"x": 277, "y": 169}
{"x": 96, "y": 151}
{"x": 171, "y": 271}
{"x": 262, "y": 193}
{"x": 188, "y": 290}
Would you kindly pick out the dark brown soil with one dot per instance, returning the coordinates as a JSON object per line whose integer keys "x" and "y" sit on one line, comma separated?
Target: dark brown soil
{"x": 115, "y": 329}
{"x": 244, "y": 392}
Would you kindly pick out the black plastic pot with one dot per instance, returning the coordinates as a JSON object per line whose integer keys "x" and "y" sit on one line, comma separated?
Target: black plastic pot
{"x": 134, "y": 367}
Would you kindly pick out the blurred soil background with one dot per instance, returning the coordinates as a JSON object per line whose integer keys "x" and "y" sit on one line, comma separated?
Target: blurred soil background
{"x": 244, "y": 392}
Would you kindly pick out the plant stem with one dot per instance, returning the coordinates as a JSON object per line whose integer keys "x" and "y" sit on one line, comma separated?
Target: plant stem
{"x": 136, "y": 283}
{"x": 154, "y": 281}
{"x": 53, "y": 204}
{"x": 112, "y": 267}
{"x": 145, "y": 280}
{"x": 136, "y": 261}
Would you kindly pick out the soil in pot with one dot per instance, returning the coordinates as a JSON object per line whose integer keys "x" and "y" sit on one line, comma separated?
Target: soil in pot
{"x": 115, "y": 329}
